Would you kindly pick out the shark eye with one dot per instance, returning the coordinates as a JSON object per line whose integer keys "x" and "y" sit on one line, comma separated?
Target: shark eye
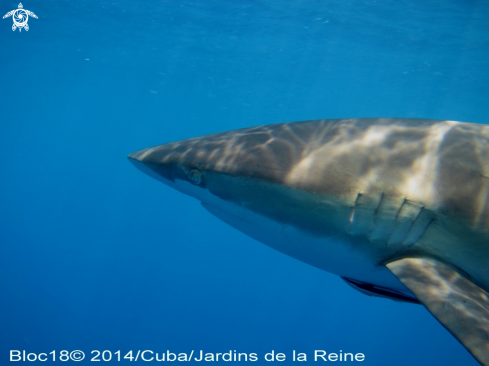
{"x": 194, "y": 176}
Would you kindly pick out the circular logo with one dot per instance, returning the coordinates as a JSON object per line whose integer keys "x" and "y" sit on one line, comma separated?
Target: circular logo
{"x": 20, "y": 18}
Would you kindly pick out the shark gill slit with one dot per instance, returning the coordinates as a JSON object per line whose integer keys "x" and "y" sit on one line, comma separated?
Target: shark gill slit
{"x": 376, "y": 211}
{"x": 392, "y": 228}
{"x": 352, "y": 215}
{"x": 403, "y": 223}
{"x": 403, "y": 248}
{"x": 418, "y": 228}
{"x": 411, "y": 226}
{"x": 400, "y": 208}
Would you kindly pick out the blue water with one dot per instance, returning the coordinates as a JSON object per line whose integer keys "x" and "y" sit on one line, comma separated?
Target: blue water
{"x": 94, "y": 255}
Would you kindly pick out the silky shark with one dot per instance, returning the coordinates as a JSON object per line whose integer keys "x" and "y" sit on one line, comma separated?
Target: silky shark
{"x": 398, "y": 208}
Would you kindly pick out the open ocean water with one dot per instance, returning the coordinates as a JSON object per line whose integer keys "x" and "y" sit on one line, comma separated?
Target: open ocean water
{"x": 95, "y": 255}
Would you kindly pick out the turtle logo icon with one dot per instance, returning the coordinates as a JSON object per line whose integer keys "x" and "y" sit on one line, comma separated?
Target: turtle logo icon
{"x": 20, "y": 17}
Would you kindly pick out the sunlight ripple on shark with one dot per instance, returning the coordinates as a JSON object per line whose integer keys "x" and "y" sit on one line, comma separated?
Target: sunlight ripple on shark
{"x": 398, "y": 208}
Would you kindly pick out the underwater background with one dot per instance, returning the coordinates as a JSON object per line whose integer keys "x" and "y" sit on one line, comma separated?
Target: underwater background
{"x": 95, "y": 255}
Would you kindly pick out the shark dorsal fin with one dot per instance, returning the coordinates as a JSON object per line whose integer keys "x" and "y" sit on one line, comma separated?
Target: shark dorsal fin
{"x": 460, "y": 305}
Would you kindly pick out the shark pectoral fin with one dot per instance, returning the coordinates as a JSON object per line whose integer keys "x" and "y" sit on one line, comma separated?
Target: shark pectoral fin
{"x": 457, "y": 303}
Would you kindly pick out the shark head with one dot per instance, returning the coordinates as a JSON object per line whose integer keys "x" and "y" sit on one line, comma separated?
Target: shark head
{"x": 247, "y": 168}
{"x": 204, "y": 165}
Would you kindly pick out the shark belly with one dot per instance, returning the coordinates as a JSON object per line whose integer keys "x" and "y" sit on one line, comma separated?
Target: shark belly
{"x": 334, "y": 254}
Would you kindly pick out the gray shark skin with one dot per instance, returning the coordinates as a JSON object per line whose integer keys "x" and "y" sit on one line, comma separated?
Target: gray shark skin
{"x": 397, "y": 207}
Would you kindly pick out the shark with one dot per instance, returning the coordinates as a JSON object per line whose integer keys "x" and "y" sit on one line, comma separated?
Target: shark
{"x": 397, "y": 207}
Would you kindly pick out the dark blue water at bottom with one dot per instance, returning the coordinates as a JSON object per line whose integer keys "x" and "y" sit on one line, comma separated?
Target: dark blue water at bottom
{"x": 94, "y": 255}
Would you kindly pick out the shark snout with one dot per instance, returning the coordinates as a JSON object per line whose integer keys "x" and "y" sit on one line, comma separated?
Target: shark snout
{"x": 140, "y": 161}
